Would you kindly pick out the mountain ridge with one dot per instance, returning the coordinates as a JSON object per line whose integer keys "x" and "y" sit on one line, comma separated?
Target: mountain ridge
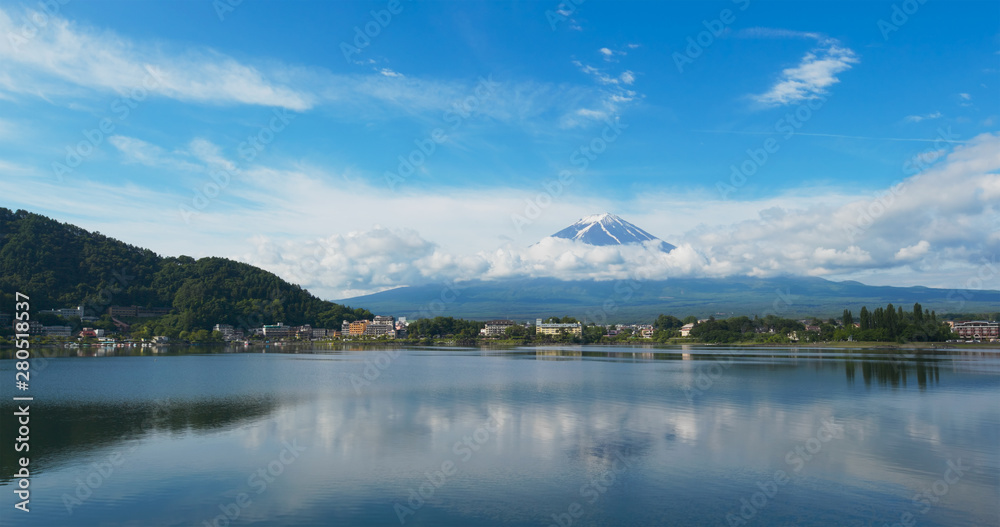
{"x": 635, "y": 301}
{"x": 62, "y": 265}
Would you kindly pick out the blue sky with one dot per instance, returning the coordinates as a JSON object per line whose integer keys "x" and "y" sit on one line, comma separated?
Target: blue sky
{"x": 530, "y": 115}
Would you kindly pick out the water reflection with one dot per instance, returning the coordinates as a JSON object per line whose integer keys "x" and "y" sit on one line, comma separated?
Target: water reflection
{"x": 564, "y": 417}
{"x": 894, "y": 373}
{"x": 64, "y": 431}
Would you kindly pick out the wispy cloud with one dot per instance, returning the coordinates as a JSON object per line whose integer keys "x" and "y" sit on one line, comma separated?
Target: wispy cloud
{"x": 616, "y": 94}
{"x": 611, "y": 55}
{"x": 810, "y": 79}
{"x": 918, "y": 118}
{"x": 841, "y": 136}
{"x": 141, "y": 152}
{"x": 98, "y": 60}
{"x": 70, "y": 61}
{"x": 769, "y": 32}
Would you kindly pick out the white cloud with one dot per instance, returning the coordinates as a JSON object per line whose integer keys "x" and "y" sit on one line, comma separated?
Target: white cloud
{"x": 8, "y": 168}
{"x": 359, "y": 262}
{"x": 600, "y": 76}
{"x": 768, "y": 32}
{"x": 138, "y": 151}
{"x": 816, "y": 71}
{"x": 913, "y": 252}
{"x": 927, "y": 158}
{"x": 610, "y": 55}
{"x": 102, "y": 60}
{"x": 68, "y": 62}
{"x": 852, "y": 256}
{"x": 613, "y": 100}
{"x": 591, "y": 114}
{"x": 293, "y": 229}
{"x": 948, "y": 206}
{"x": 918, "y": 118}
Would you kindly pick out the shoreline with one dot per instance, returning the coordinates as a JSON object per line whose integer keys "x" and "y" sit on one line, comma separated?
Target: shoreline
{"x": 507, "y": 344}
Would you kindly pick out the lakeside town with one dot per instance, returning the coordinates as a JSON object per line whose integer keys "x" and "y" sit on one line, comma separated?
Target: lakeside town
{"x": 880, "y": 325}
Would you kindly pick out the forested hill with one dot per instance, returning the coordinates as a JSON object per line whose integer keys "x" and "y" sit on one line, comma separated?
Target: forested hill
{"x": 61, "y": 265}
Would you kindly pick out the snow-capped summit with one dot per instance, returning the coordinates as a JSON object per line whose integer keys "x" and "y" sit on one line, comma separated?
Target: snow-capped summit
{"x": 608, "y": 229}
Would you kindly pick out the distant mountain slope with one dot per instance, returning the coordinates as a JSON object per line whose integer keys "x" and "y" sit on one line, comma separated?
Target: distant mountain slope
{"x": 527, "y": 299}
{"x": 61, "y": 265}
{"x": 607, "y": 229}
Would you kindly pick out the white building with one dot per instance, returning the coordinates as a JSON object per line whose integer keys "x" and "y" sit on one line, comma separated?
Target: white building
{"x": 575, "y": 328}
{"x": 496, "y": 328}
{"x": 381, "y": 326}
{"x": 977, "y": 330}
{"x": 228, "y": 333}
{"x": 277, "y": 331}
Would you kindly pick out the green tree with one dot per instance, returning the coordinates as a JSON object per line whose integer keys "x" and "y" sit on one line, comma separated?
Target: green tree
{"x": 667, "y": 322}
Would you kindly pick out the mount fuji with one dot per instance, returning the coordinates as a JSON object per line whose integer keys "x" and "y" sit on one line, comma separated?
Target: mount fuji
{"x": 608, "y": 229}
{"x": 530, "y": 298}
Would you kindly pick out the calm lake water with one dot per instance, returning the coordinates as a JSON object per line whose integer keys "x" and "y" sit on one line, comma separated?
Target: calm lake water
{"x": 547, "y": 436}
